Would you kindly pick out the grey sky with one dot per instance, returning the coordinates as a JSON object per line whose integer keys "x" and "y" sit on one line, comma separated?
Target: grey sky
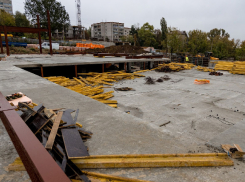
{"x": 183, "y": 14}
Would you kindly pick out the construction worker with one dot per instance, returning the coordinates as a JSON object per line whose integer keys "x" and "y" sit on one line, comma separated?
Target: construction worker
{"x": 186, "y": 58}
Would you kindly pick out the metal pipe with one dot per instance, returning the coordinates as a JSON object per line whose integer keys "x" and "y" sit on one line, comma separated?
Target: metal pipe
{"x": 39, "y": 35}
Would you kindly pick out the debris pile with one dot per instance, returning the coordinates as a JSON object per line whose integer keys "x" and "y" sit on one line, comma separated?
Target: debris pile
{"x": 149, "y": 80}
{"x": 173, "y": 67}
{"x": 60, "y": 134}
{"x": 215, "y": 73}
{"x": 124, "y": 89}
{"x": 119, "y": 49}
{"x": 224, "y": 65}
{"x": 92, "y": 86}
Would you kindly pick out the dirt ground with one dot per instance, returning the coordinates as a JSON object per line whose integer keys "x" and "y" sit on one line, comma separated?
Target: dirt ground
{"x": 119, "y": 49}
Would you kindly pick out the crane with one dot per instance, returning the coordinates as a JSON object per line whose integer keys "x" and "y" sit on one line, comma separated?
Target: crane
{"x": 79, "y": 22}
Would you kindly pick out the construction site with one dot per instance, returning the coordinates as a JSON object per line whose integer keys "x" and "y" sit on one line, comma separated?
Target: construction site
{"x": 96, "y": 113}
{"x": 101, "y": 117}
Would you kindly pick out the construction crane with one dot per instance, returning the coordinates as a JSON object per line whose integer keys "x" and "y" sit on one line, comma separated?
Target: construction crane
{"x": 79, "y": 22}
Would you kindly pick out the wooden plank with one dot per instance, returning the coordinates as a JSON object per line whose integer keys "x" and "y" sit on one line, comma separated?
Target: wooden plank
{"x": 154, "y": 160}
{"x": 73, "y": 143}
{"x": 51, "y": 138}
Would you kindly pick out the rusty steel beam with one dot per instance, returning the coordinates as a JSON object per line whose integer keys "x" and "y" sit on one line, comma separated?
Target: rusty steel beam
{"x": 76, "y": 71}
{"x": 39, "y": 164}
{"x": 6, "y": 40}
{"x": 23, "y": 29}
{"x": 39, "y": 35}
{"x": 49, "y": 34}
{"x": 42, "y": 75}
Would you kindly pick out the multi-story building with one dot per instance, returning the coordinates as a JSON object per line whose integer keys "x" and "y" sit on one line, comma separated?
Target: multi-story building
{"x": 126, "y": 31}
{"x": 6, "y": 5}
{"x": 108, "y": 31}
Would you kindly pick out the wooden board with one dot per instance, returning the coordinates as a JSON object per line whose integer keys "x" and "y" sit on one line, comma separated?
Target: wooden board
{"x": 51, "y": 138}
{"x": 74, "y": 145}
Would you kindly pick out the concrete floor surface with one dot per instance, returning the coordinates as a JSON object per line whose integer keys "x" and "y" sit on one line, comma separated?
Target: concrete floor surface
{"x": 192, "y": 109}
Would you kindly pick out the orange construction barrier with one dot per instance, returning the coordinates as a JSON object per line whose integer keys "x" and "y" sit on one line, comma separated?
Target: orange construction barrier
{"x": 90, "y": 45}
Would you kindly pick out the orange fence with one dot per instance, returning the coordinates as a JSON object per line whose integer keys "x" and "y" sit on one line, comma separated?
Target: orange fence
{"x": 91, "y": 46}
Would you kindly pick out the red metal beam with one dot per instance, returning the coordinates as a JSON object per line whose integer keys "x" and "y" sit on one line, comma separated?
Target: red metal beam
{"x": 42, "y": 72}
{"x": 76, "y": 71}
{"x": 6, "y": 40}
{"x": 39, "y": 164}
{"x": 24, "y": 29}
{"x": 39, "y": 35}
{"x": 49, "y": 34}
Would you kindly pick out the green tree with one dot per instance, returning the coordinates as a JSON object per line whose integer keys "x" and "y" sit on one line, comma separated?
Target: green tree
{"x": 6, "y": 18}
{"x": 134, "y": 32}
{"x": 146, "y": 35}
{"x": 240, "y": 52}
{"x": 59, "y": 18}
{"x": 215, "y": 34}
{"x": 164, "y": 28}
{"x": 21, "y": 20}
{"x": 197, "y": 42}
{"x": 173, "y": 42}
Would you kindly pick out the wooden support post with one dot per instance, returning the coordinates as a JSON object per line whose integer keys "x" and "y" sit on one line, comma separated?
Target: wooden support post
{"x": 1, "y": 45}
{"x": 144, "y": 66}
{"x": 76, "y": 71}
{"x": 42, "y": 71}
{"x": 6, "y": 40}
{"x": 103, "y": 68}
{"x": 39, "y": 35}
{"x": 125, "y": 67}
{"x": 49, "y": 34}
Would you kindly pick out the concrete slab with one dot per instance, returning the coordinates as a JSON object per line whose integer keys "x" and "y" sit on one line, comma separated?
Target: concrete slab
{"x": 233, "y": 135}
{"x": 64, "y": 60}
{"x": 178, "y": 100}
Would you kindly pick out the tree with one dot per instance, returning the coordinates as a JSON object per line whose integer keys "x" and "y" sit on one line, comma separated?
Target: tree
{"x": 197, "y": 42}
{"x": 174, "y": 42}
{"x": 146, "y": 35}
{"x": 215, "y": 34}
{"x": 240, "y": 52}
{"x": 21, "y": 20}
{"x": 134, "y": 33}
{"x": 164, "y": 28}
{"x": 59, "y": 18}
{"x": 6, "y": 18}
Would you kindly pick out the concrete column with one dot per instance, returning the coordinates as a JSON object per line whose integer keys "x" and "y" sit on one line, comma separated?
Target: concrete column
{"x": 150, "y": 65}
{"x": 129, "y": 66}
{"x": 121, "y": 66}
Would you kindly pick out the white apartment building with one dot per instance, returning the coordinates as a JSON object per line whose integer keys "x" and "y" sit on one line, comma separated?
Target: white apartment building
{"x": 6, "y": 5}
{"x": 126, "y": 31}
{"x": 111, "y": 31}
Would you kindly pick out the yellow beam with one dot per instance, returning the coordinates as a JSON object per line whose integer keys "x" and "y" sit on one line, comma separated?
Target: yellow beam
{"x": 154, "y": 160}
{"x": 17, "y": 165}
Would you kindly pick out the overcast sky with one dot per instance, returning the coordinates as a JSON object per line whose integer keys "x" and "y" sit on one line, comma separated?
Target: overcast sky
{"x": 183, "y": 14}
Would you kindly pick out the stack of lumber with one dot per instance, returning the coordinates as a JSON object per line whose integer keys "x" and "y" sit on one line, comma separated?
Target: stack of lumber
{"x": 205, "y": 69}
{"x": 224, "y": 65}
{"x": 92, "y": 86}
{"x": 238, "y": 68}
{"x": 175, "y": 66}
